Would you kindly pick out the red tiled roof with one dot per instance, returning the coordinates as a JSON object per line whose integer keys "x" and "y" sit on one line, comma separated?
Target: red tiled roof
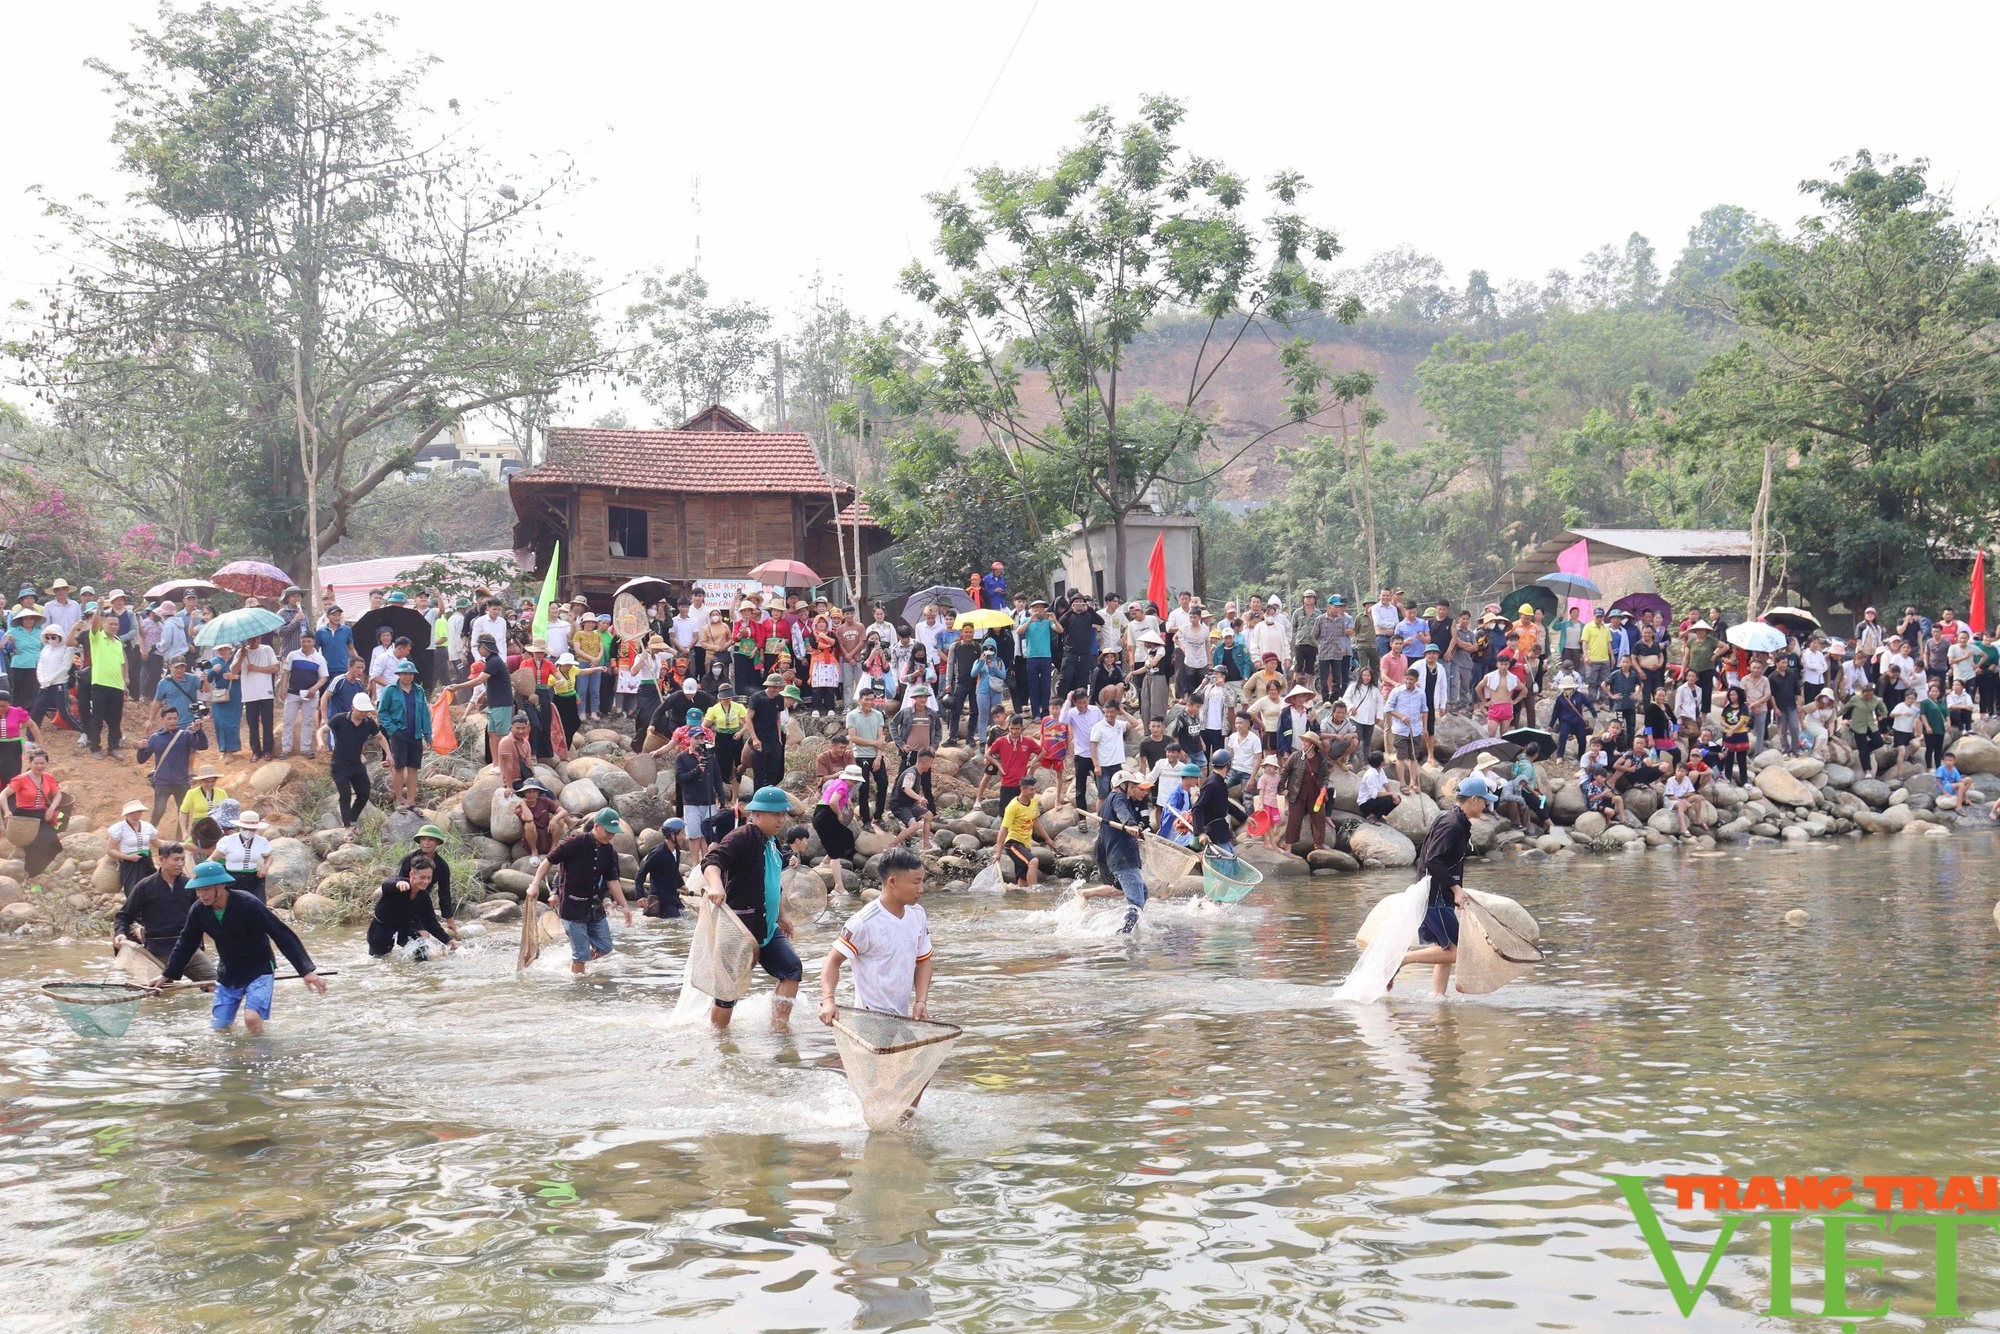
{"x": 856, "y": 515}
{"x": 761, "y": 461}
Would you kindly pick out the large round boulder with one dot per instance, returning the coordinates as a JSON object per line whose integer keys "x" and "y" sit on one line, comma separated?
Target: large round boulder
{"x": 1873, "y": 791}
{"x": 1413, "y": 817}
{"x": 1782, "y": 786}
{"x": 1380, "y": 845}
{"x": 641, "y": 808}
{"x": 643, "y": 769}
{"x": 291, "y": 866}
{"x": 1976, "y": 755}
{"x": 582, "y": 797}
{"x": 477, "y": 803}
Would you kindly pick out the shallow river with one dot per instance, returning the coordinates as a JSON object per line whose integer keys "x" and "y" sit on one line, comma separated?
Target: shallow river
{"x": 1185, "y": 1133}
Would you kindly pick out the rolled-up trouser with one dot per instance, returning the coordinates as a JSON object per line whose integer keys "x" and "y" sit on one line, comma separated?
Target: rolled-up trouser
{"x": 1133, "y": 883}
{"x": 779, "y": 959}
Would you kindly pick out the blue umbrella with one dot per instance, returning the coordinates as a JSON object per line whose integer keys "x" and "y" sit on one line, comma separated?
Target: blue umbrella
{"x": 233, "y": 627}
{"x": 1571, "y": 585}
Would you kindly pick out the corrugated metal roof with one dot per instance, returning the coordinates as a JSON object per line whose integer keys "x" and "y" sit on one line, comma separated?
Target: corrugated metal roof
{"x": 1671, "y": 543}
{"x": 352, "y": 581}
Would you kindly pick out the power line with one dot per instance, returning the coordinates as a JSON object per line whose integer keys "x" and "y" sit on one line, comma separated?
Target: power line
{"x": 994, "y": 87}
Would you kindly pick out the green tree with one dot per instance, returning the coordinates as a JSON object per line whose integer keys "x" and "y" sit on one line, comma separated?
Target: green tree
{"x": 1867, "y": 372}
{"x": 1483, "y": 397}
{"x": 297, "y": 277}
{"x": 693, "y": 352}
{"x": 1049, "y": 275}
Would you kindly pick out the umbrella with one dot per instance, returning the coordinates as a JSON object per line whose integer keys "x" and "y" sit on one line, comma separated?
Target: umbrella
{"x": 1638, "y": 604}
{"x": 233, "y": 627}
{"x": 1544, "y": 742}
{"x": 786, "y": 574}
{"x": 1541, "y": 599}
{"x": 955, "y": 598}
{"x": 1498, "y": 747}
{"x": 1793, "y": 620}
{"x": 1570, "y": 585}
{"x": 253, "y": 579}
{"x": 403, "y": 623}
{"x": 176, "y": 588}
{"x": 645, "y": 588}
{"x": 986, "y": 618}
{"x": 1756, "y": 637}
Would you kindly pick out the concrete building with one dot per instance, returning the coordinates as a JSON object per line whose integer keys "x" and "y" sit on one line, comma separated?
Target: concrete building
{"x": 1089, "y": 562}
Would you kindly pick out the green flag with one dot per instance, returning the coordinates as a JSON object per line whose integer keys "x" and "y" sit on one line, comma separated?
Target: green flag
{"x": 547, "y": 600}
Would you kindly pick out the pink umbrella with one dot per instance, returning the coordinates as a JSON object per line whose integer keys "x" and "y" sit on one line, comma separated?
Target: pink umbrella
{"x": 177, "y": 587}
{"x": 253, "y": 578}
{"x": 786, "y": 574}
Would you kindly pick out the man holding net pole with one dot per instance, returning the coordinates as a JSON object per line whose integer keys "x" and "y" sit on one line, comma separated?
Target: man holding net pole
{"x": 244, "y": 931}
{"x": 890, "y": 1048}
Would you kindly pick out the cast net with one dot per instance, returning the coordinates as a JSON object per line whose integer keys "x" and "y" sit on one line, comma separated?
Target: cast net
{"x": 96, "y": 1009}
{"x": 889, "y": 1060}
{"x": 805, "y": 895}
{"x": 1496, "y": 943}
{"x": 721, "y": 954}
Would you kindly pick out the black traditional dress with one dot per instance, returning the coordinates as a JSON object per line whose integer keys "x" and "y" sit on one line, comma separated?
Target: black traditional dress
{"x": 1443, "y": 860}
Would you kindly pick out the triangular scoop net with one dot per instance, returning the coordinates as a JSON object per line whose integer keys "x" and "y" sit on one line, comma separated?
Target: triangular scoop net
{"x": 889, "y": 1059}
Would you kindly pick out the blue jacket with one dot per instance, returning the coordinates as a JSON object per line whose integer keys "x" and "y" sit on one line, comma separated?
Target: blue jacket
{"x": 389, "y": 712}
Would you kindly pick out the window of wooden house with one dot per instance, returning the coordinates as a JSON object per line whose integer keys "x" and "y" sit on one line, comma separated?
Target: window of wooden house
{"x": 628, "y": 533}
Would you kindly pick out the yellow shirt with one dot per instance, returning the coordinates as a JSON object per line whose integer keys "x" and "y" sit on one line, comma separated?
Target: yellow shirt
{"x": 1596, "y": 642}
{"x": 1018, "y": 820}
{"x": 195, "y": 806}
{"x": 726, "y": 718}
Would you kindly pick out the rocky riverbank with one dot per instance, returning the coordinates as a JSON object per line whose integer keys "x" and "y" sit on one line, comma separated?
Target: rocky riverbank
{"x": 323, "y": 874}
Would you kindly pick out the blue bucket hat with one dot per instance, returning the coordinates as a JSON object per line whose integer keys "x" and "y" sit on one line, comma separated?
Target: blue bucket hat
{"x": 770, "y": 799}
{"x": 210, "y": 873}
{"x": 1189, "y": 771}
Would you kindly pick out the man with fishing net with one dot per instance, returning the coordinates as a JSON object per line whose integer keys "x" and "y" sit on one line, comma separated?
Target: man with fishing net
{"x": 741, "y": 875}
{"x": 244, "y": 931}
{"x": 889, "y": 1047}
{"x": 149, "y": 924}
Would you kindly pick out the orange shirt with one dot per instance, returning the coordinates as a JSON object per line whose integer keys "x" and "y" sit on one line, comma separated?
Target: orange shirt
{"x": 1530, "y": 637}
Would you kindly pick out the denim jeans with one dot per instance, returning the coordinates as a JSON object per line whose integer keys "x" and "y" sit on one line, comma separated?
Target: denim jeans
{"x": 985, "y": 700}
{"x": 588, "y": 938}
{"x": 588, "y": 691}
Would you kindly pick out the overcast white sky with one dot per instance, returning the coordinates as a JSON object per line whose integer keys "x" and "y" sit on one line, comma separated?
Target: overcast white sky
{"x": 1512, "y": 138}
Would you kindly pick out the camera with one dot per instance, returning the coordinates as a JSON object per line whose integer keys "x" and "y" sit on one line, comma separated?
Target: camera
{"x": 200, "y": 711}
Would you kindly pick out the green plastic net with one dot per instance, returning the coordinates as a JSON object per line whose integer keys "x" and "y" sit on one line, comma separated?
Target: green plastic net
{"x": 889, "y": 1060}
{"x": 96, "y": 1009}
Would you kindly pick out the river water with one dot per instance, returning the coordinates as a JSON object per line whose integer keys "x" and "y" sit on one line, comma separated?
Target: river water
{"x": 1184, "y": 1132}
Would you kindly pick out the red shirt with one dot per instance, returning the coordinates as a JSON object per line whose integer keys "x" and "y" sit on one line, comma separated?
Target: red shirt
{"x": 1014, "y": 757}
{"x": 33, "y": 795}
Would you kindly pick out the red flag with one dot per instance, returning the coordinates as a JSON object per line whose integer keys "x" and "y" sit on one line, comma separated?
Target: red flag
{"x": 1976, "y": 612}
{"x": 1156, "y": 574}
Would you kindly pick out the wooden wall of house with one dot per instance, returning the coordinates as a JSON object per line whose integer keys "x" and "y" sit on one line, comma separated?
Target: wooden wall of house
{"x": 688, "y": 536}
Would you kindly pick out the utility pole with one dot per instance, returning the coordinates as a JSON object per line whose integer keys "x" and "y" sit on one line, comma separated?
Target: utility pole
{"x": 778, "y": 365}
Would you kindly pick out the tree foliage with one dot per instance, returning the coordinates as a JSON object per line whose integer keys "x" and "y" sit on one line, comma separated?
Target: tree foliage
{"x": 693, "y": 352}
{"x": 1049, "y": 275}
{"x": 1868, "y": 360}
{"x": 291, "y": 246}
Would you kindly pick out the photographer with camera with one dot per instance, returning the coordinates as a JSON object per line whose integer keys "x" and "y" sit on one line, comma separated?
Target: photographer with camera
{"x": 172, "y": 751}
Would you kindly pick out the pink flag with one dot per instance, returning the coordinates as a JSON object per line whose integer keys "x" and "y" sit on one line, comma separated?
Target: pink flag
{"x": 1576, "y": 560}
